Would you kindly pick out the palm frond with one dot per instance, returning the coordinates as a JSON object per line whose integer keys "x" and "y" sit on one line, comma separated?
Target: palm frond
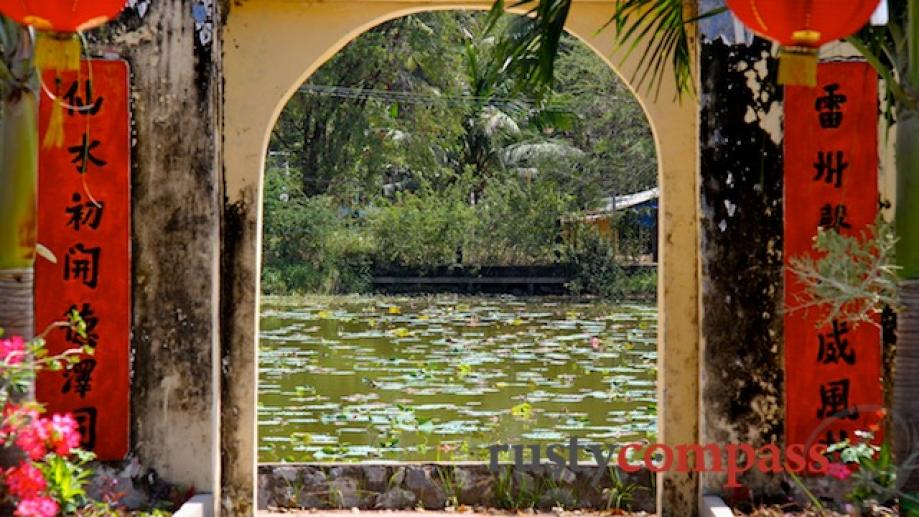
{"x": 531, "y": 42}
{"x": 539, "y": 149}
{"x": 493, "y": 121}
{"x": 885, "y": 48}
{"x": 534, "y": 39}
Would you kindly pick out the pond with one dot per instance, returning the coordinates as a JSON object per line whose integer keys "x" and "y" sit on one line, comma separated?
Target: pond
{"x": 441, "y": 378}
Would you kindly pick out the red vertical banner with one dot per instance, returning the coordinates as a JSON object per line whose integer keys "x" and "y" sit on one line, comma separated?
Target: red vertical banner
{"x": 84, "y": 207}
{"x": 833, "y": 373}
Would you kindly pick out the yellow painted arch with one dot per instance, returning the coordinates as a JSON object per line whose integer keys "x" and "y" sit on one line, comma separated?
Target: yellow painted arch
{"x": 272, "y": 46}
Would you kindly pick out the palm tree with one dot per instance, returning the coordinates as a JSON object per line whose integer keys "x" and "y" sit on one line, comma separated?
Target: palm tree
{"x": 534, "y": 39}
{"x": 893, "y": 50}
{"x": 509, "y": 105}
{"x": 18, "y": 178}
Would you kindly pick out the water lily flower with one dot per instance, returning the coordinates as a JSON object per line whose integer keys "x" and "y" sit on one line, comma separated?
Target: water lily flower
{"x": 595, "y": 343}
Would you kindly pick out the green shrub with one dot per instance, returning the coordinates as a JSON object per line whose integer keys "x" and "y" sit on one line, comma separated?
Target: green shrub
{"x": 308, "y": 245}
{"x": 594, "y": 268}
{"x": 317, "y": 245}
{"x": 349, "y": 265}
{"x": 518, "y": 223}
{"x": 641, "y": 284}
{"x": 421, "y": 231}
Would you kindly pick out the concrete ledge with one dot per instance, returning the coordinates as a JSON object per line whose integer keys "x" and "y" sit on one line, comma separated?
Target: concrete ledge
{"x": 714, "y": 506}
{"x": 434, "y": 486}
{"x": 202, "y": 505}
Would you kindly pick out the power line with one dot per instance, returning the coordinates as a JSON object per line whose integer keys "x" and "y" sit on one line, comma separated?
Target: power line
{"x": 422, "y": 98}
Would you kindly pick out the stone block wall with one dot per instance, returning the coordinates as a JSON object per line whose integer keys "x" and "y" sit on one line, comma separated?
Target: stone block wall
{"x": 436, "y": 486}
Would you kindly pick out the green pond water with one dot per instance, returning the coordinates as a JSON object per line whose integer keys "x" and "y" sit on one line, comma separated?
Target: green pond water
{"x": 443, "y": 377}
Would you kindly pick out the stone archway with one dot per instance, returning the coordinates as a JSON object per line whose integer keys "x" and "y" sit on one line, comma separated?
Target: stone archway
{"x": 270, "y": 47}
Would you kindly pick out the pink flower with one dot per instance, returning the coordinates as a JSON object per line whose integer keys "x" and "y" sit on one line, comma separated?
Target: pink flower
{"x": 65, "y": 434}
{"x": 37, "y": 507}
{"x": 35, "y": 435}
{"x": 838, "y": 471}
{"x": 12, "y": 350}
{"x": 33, "y": 438}
{"x": 25, "y": 481}
{"x": 14, "y": 418}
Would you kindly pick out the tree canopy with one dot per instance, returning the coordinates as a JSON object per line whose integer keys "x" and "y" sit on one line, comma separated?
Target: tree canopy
{"x": 421, "y": 143}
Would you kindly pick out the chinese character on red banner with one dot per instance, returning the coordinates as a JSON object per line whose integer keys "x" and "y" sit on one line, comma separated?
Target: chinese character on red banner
{"x": 84, "y": 210}
{"x": 832, "y": 374}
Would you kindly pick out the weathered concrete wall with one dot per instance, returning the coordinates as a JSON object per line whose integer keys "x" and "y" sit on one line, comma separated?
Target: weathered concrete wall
{"x": 239, "y": 303}
{"x": 741, "y": 244}
{"x": 436, "y": 486}
{"x": 174, "y": 57}
{"x": 741, "y": 248}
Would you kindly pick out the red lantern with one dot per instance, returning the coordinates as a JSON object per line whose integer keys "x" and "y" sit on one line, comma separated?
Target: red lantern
{"x": 801, "y": 27}
{"x": 61, "y": 15}
{"x": 57, "y": 47}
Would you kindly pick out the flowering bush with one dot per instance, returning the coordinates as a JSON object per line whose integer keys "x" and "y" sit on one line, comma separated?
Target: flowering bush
{"x": 51, "y": 472}
{"x": 871, "y": 467}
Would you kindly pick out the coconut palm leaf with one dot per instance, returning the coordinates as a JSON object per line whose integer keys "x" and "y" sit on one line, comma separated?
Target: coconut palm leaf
{"x": 531, "y": 42}
{"x": 886, "y": 49}
{"x": 493, "y": 122}
{"x": 521, "y": 152}
{"x": 534, "y": 39}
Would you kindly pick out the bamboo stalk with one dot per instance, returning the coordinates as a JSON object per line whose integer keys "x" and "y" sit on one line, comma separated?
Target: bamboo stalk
{"x": 18, "y": 183}
{"x": 18, "y": 225}
{"x": 18, "y": 167}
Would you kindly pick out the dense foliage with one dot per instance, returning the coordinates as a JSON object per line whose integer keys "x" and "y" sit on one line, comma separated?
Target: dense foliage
{"x": 418, "y": 145}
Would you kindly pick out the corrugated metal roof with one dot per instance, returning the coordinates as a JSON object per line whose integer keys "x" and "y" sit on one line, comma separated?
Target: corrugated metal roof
{"x": 611, "y": 204}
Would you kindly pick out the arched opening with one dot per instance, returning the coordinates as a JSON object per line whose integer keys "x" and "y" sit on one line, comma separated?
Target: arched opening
{"x": 255, "y": 94}
{"x": 517, "y": 233}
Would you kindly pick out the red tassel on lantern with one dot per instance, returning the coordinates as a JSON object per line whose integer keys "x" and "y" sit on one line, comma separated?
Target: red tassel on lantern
{"x": 60, "y": 52}
{"x": 801, "y": 27}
